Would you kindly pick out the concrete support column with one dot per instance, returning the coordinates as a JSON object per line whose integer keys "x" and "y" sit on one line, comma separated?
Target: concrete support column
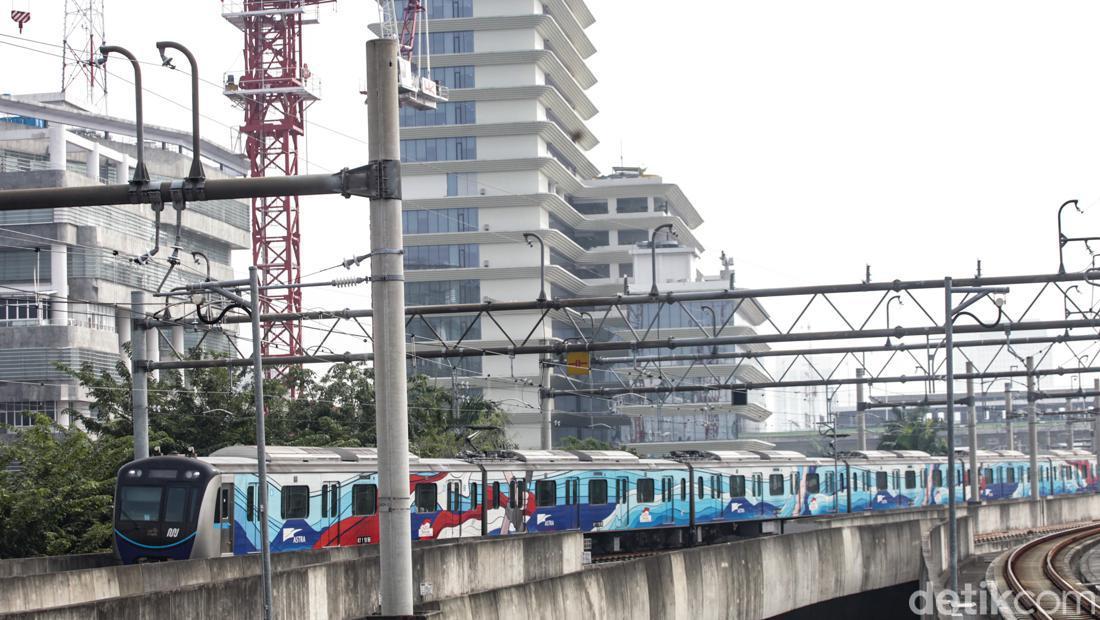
{"x": 93, "y": 162}
{"x": 546, "y": 404}
{"x": 123, "y": 329}
{"x": 59, "y": 281}
{"x": 180, "y": 345}
{"x": 59, "y": 147}
{"x": 152, "y": 349}
{"x": 1008, "y": 415}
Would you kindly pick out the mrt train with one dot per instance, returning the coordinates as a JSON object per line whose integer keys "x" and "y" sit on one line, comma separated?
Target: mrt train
{"x": 175, "y": 507}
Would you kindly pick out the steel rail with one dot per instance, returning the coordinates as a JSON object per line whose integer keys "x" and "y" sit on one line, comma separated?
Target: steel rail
{"x": 1023, "y": 594}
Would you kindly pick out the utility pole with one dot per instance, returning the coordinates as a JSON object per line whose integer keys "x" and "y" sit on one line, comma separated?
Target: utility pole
{"x": 261, "y": 437}
{"x": 1096, "y": 423}
{"x": 1032, "y": 431}
{"x": 388, "y": 303}
{"x": 861, "y": 415}
{"x": 1069, "y": 423}
{"x": 139, "y": 376}
{"x": 952, "y": 525}
{"x": 1008, "y": 415}
{"x": 546, "y": 403}
{"x": 972, "y": 432}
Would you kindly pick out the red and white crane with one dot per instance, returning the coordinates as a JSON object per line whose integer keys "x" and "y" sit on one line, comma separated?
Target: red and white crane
{"x": 417, "y": 88}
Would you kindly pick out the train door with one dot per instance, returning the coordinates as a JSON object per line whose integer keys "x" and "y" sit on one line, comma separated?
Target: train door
{"x": 668, "y": 497}
{"x": 224, "y": 518}
{"x": 252, "y": 514}
{"x": 330, "y": 513}
{"x": 758, "y": 492}
{"x": 573, "y": 500}
{"x": 622, "y": 497}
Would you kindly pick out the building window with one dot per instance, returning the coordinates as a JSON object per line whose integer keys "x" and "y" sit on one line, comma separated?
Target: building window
{"x": 633, "y": 237}
{"x": 442, "y": 9}
{"x": 441, "y": 256}
{"x": 447, "y": 113}
{"x": 15, "y": 310}
{"x": 21, "y": 265}
{"x": 457, "y": 42}
{"x": 632, "y": 205}
{"x": 440, "y": 293}
{"x": 589, "y": 206}
{"x": 22, "y": 414}
{"x": 462, "y": 184}
{"x": 454, "y": 77}
{"x": 584, "y": 272}
{"x": 439, "y": 149}
{"x": 449, "y": 328}
{"x": 431, "y": 221}
{"x": 626, "y": 269}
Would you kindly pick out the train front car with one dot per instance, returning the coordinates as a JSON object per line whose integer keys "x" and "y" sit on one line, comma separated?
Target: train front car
{"x": 160, "y": 503}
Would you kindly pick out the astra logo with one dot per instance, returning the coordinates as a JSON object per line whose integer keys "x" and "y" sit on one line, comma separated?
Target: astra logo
{"x": 291, "y": 534}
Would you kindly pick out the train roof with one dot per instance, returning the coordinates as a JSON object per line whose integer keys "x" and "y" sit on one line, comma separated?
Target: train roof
{"x": 305, "y": 454}
{"x": 879, "y": 455}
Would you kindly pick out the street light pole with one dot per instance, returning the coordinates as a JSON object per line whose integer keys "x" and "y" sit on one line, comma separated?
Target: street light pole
{"x": 653, "y": 290}
{"x": 952, "y": 526}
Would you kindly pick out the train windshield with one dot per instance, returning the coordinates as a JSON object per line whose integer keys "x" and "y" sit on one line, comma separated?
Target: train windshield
{"x": 140, "y": 503}
{"x": 149, "y": 503}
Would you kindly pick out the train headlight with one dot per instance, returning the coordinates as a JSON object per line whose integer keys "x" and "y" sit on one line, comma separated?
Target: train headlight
{"x": 134, "y": 473}
{"x": 190, "y": 475}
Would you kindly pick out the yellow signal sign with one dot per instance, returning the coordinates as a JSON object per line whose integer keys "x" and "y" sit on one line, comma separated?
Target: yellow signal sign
{"x": 578, "y": 363}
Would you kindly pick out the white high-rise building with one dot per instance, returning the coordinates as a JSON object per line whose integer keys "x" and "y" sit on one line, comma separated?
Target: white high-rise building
{"x": 507, "y": 154}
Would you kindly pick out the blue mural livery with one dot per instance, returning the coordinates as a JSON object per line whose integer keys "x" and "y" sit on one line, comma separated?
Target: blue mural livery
{"x": 172, "y": 507}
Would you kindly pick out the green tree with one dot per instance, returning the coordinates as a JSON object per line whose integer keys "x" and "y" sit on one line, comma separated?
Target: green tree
{"x": 570, "y": 442}
{"x": 913, "y": 430}
{"x": 56, "y": 490}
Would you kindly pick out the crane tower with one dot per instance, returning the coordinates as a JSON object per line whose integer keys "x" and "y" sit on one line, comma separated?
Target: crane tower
{"x": 274, "y": 88}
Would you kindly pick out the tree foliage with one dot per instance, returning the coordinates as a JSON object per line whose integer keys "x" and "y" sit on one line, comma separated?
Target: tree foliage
{"x": 914, "y": 430}
{"x": 57, "y": 484}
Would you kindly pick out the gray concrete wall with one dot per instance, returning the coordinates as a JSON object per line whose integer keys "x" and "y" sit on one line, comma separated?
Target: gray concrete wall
{"x": 22, "y": 567}
{"x": 330, "y": 583}
{"x": 756, "y": 578}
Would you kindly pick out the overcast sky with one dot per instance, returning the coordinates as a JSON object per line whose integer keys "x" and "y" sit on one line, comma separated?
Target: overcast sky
{"x": 814, "y": 137}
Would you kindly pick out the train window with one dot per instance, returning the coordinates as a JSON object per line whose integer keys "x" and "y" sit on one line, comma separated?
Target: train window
{"x": 334, "y": 500}
{"x": 910, "y": 479}
{"x": 700, "y": 491}
{"x": 250, "y": 503}
{"x": 794, "y": 484}
{"x": 666, "y": 489}
{"x": 568, "y": 492}
{"x": 1010, "y": 475}
{"x": 496, "y": 495}
{"x": 454, "y": 496}
{"x": 222, "y": 513}
{"x": 881, "y": 480}
{"x": 324, "y": 501}
{"x": 737, "y": 486}
{"x": 175, "y": 505}
{"x": 646, "y": 492}
{"x": 987, "y": 475}
{"x": 716, "y": 487}
{"x": 830, "y": 482}
{"x": 364, "y": 500}
{"x": 427, "y": 497}
{"x": 517, "y": 494}
{"x": 897, "y": 479}
{"x": 924, "y": 478}
{"x": 475, "y": 499}
{"x": 937, "y": 477}
{"x": 758, "y": 485}
{"x": 597, "y": 491}
{"x": 813, "y": 483}
{"x": 576, "y": 484}
{"x": 683, "y": 489}
{"x": 295, "y": 502}
{"x": 546, "y": 493}
{"x": 866, "y": 480}
{"x": 855, "y": 481}
{"x": 775, "y": 484}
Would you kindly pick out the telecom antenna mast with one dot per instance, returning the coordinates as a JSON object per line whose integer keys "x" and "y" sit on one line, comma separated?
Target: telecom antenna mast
{"x": 82, "y": 80}
{"x": 274, "y": 88}
{"x": 415, "y": 86}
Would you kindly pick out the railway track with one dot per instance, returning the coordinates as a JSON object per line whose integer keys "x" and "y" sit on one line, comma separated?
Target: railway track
{"x": 1043, "y": 583}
